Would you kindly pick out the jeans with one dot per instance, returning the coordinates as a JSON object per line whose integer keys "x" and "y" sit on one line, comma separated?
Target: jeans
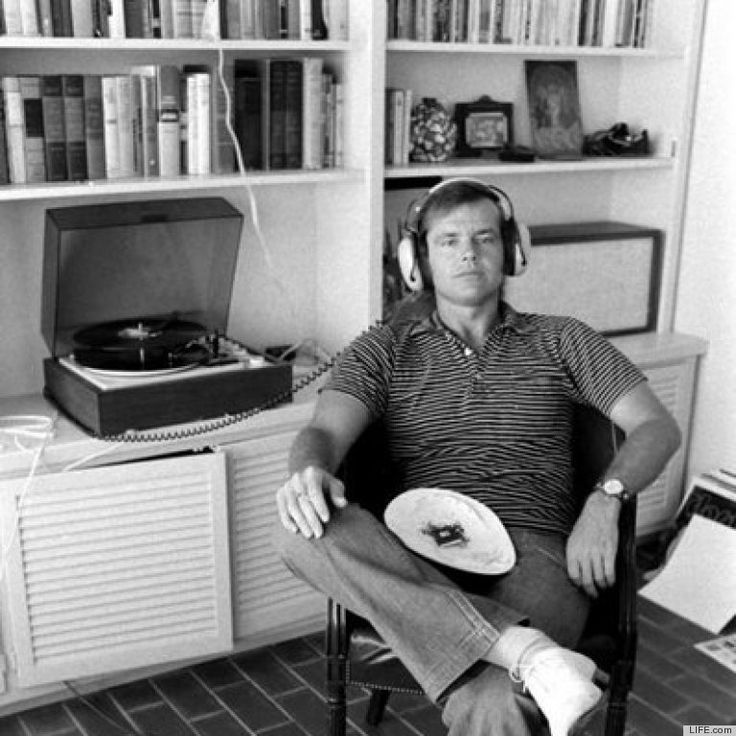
{"x": 439, "y": 622}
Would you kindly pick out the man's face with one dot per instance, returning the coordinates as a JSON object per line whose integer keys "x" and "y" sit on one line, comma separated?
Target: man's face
{"x": 466, "y": 253}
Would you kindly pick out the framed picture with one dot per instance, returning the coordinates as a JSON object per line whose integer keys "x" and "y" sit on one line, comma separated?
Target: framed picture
{"x": 483, "y": 126}
{"x": 554, "y": 108}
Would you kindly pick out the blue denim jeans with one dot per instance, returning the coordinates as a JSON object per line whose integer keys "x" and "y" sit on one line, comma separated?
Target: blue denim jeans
{"x": 439, "y": 622}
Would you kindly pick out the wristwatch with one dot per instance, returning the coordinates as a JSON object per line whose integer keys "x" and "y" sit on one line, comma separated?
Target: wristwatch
{"x": 612, "y": 487}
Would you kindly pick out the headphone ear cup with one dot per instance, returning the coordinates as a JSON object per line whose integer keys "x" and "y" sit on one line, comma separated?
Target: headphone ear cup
{"x": 406, "y": 254}
{"x": 521, "y": 251}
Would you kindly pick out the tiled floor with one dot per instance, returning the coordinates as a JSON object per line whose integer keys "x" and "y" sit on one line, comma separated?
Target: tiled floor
{"x": 278, "y": 691}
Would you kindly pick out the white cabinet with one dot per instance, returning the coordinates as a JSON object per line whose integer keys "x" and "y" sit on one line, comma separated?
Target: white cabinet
{"x": 267, "y": 598}
{"x": 114, "y": 568}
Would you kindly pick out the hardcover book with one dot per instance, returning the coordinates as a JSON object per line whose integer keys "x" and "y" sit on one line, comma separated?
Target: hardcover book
{"x": 94, "y": 127}
{"x": 14, "y": 130}
{"x": 76, "y": 149}
{"x": 35, "y": 146}
{"x": 53, "y": 123}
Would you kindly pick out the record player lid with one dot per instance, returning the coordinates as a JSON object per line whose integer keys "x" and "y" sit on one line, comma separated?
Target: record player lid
{"x": 136, "y": 259}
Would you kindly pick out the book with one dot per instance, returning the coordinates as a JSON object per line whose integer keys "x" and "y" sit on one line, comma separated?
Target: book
{"x": 100, "y": 18}
{"x": 116, "y": 18}
{"x": 14, "y": 129}
{"x": 223, "y": 148}
{"x": 182, "y": 19}
{"x": 197, "y": 129}
{"x": 94, "y": 137}
{"x": 319, "y": 27}
{"x": 52, "y": 104}
{"x": 4, "y": 174}
{"x": 82, "y": 20}
{"x": 168, "y": 105}
{"x": 124, "y": 92}
{"x": 277, "y": 114}
{"x": 294, "y": 112}
{"x": 305, "y": 20}
{"x": 110, "y": 126}
{"x": 35, "y": 146}
{"x": 137, "y": 15}
{"x": 166, "y": 13}
{"x": 339, "y": 124}
{"x": 247, "y": 110}
{"x": 72, "y": 86}
{"x": 29, "y": 18}
{"x": 61, "y": 18}
{"x": 312, "y": 113}
{"x": 144, "y": 77}
{"x": 11, "y": 12}
{"x": 233, "y": 13}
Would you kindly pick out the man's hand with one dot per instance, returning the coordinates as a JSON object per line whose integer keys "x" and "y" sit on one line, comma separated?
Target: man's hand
{"x": 302, "y": 500}
{"x": 591, "y": 547}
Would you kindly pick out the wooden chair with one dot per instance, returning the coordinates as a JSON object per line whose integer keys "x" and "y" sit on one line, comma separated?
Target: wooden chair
{"x": 356, "y": 654}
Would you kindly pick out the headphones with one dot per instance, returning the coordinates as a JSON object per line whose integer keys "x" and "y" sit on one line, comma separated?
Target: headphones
{"x": 411, "y": 250}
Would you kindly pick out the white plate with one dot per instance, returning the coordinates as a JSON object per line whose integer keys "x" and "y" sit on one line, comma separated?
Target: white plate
{"x": 452, "y": 529}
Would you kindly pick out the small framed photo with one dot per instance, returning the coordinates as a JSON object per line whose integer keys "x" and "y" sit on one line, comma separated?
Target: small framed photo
{"x": 483, "y": 126}
{"x": 554, "y": 109}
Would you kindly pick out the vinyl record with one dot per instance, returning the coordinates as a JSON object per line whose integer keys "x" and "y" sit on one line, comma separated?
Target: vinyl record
{"x": 139, "y": 332}
{"x": 142, "y": 359}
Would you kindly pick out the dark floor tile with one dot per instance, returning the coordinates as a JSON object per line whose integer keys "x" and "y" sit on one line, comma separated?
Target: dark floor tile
{"x": 427, "y": 720}
{"x": 708, "y": 694}
{"x": 187, "y": 694}
{"x": 650, "y": 722}
{"x": 308, "y": 710}
{"x": 251, "y": 706}
{"x": 220, "y": 724}
{"x": 160, "y": 720}
{"x": 699, "y": 715}
{"x": 49, "y": 719}
{"x": 10, "y": 726}
{"x": 217, "y": 673}
{"x": 391, "y": 725}
{"x": 93, "y": 721}
{"x": 696, "y": 662}
{"x": 288, "y": 729}
{"x": 657, "y": 664}
{"x": 314, "y": 674}
{"x": 659, "y": 694}
{"x": 139, "y": 694}
{"x": 263, "y": 668}
{"x": 295, "y": 651}
{"x": 659, "y": 637}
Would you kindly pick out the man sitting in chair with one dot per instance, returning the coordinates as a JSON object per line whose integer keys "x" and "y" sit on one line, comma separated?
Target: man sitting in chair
{"x": 478, "y": 399}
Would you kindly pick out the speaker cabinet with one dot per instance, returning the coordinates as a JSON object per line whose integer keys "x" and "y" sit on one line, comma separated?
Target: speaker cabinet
{"x": 607, "y": 274}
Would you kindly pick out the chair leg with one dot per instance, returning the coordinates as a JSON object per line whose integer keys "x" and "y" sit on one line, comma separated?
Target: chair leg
{"x": 336, "y": 710}
{"x": 616, "y": 718}
{"x": 376, "y": 706}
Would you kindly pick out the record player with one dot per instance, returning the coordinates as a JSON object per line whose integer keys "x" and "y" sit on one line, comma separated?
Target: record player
{"x": 134, "y": 311}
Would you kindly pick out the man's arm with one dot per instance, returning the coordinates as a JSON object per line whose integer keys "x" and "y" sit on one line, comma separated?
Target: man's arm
{"x": 652, "y": 437}
{"x": 339, "y": 419}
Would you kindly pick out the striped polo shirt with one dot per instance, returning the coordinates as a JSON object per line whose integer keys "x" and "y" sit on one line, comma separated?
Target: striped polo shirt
{"x": 495, "y": 424}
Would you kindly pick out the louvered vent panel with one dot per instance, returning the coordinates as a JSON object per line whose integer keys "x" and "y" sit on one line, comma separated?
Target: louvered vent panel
{"x": 657, "y": 503}
{"x": 266, "y": 595}
{"x": 119, "y": 567}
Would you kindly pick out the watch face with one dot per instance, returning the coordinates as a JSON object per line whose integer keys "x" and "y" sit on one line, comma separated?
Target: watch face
{"x": 613, "y": 487}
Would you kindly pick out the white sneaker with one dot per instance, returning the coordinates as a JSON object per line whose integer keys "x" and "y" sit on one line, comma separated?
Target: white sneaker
{"x": 560, "y": 683}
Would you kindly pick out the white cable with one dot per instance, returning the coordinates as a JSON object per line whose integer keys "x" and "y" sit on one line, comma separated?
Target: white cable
{"x": 252, "y": 205}
{"x": 36, "y": 421}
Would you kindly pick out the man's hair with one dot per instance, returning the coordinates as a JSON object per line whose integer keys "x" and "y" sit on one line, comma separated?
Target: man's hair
{"x": 448, "y": 198}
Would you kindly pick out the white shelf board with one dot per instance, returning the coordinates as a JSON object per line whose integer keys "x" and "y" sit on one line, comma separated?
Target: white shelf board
{"x": 137, "y": 185}
{"x": 434, "y": 47}
{"x": 43, "y": 43}
{"x": 477, "y": 166}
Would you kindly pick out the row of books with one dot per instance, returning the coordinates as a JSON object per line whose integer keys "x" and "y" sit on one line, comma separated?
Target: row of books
{"x": 608, "y": 23}
{"x": 201, "y": 19}
{"x": 397, "y": 125}
{"x": 160, "y": 120}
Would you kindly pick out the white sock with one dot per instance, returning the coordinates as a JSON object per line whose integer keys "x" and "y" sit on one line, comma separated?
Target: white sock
{"x": 515, "y": 645}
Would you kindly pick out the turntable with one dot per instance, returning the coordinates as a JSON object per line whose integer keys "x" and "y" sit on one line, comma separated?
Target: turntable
{"x": 135, "y": 304}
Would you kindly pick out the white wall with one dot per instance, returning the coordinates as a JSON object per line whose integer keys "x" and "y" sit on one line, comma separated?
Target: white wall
{"x": 706, "y": 302}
